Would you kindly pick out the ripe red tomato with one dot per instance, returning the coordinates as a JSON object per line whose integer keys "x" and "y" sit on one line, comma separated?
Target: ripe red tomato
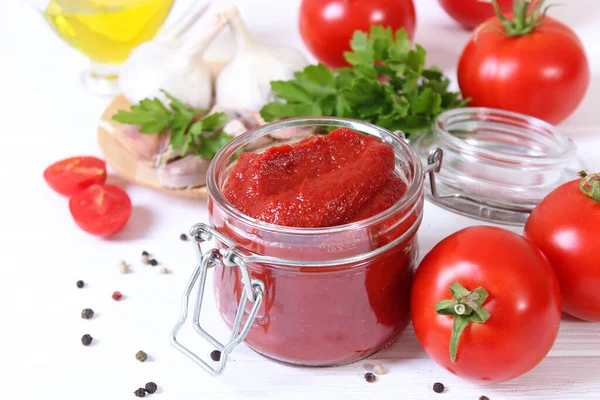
{"x": 566, "y": 227}
{"x": 471, "y": 13}
{"x": 544, "y": 73}
{"x": 524, "y": 303}
{"x": 75, "y": 174}
{"x": 327, "y": 26}
{"x": 101, "y": 210}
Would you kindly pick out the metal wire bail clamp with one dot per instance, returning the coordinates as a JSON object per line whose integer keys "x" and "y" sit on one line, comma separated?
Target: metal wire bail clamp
{"x": 253, "y": 292}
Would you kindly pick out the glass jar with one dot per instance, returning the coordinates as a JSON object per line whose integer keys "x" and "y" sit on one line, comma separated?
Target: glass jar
{"x": 498, "y": 165}
{"x": 309, "y": 296}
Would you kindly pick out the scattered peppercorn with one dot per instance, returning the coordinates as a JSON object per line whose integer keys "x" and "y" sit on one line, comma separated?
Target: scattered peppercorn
{"x": 370, "y": 377}
{"x": 86, "y": 340}
{"x": 151, "y": 387}
{"x": 145, "y": 258}
{"x": 215, "y": 355}
{"x": 141, "y": 356}
{"x": 80, "y": 284}
{"x": 123, "y": 267}
{"x": 484, "y": 398}
{"x": 378, "y": 369}
{"x": 117, "y": 296}
{"x": 164, "y": 270}
{"x": 87, "y": 313}
{"x": 141, "y": 392}
{"x": 438, "y": 387}
{"x": 183, "y": 237}
{"x": 153, "y": 262}
{"x": 145, "y": 253}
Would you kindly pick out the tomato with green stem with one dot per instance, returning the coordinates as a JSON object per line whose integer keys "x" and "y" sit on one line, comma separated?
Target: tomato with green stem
{"x": 525, "y": 62}
{"x": 486, "y": 304}
{"x": 565, "y": 225}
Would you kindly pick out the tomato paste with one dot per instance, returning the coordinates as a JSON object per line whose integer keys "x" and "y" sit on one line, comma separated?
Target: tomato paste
{"x": 321, "y": 181}
{"x": 317, "y": 314}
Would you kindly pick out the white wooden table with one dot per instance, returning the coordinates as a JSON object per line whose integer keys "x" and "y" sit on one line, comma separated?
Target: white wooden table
{"x": 46, "y": 116}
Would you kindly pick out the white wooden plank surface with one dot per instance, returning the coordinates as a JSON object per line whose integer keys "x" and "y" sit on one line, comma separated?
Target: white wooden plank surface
{"x": 47, "y": 116}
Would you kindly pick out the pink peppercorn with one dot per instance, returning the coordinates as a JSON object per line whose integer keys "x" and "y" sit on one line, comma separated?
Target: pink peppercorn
{"x": 117, "y": 296}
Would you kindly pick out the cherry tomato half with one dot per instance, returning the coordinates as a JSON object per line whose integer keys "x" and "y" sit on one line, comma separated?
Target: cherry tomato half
{"x": 566, "y": 227}
{"x": 327, "y": 26}
{"x": 101, "y": 210}
{"x": 523, "y": 303}
{"x": 72, "y": 175}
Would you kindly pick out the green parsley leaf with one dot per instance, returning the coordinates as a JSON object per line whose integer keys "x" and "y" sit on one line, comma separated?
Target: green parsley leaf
{"x": 151, "y": 115}
{"x": 273, "y": 111}
{"x": 185, "y": 135}
{"x": 208, "y": 147}
{"x": 214, "y": 121}
{"x": 408, "y": 99}
{"x": 291, "y": 91}
{"x": 196, "y": 128}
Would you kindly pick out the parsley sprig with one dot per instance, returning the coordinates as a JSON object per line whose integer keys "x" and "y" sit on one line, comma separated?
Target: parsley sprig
{"x": 409, "y": 101}
{"x": 186, "y": 134}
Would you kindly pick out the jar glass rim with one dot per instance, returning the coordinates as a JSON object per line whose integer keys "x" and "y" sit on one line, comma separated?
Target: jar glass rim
{"x": 414, "y": 183}
{"x": 443, "y": 122}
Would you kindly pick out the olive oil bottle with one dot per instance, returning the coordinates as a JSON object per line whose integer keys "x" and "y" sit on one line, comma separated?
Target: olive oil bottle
{"x": 107, "y": 30}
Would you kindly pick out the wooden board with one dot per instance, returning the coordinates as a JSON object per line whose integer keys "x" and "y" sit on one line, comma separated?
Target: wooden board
{"x": 124, "y": 162}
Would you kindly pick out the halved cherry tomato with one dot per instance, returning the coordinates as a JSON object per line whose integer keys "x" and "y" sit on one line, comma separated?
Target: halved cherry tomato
{"x": 73, "y": 175}
{"x": 101, "y": 210}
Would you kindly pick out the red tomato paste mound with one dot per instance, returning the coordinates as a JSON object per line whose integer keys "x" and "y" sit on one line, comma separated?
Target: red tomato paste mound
{"x": 321, "y": 181}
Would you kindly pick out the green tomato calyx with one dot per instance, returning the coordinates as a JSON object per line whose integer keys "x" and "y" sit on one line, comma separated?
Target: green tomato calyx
{"x": 466, "y": 307}
{"x": 524, "y": 19}
{"x": 590, "y": 185}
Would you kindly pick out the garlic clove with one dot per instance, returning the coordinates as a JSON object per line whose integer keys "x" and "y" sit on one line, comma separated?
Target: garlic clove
{"x": 166, "y": 155}
{"x": 292, "y": 134}
{"x": 143, "y": 146}
{"x": 183, "y": 173}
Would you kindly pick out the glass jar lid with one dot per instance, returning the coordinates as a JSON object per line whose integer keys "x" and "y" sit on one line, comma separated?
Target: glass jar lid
{"x": 498, "y": 165}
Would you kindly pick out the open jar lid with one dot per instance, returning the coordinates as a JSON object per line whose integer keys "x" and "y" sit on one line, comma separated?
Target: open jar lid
{"x": 497, "y": 165}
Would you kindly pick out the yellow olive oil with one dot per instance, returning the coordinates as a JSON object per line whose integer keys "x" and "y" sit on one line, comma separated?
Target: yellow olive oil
{"x": 107, "y": 30}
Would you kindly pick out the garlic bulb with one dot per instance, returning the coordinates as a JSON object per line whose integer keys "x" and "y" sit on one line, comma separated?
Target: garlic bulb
{"x": 175, "y": 66}
{"x": 244, "y": 83}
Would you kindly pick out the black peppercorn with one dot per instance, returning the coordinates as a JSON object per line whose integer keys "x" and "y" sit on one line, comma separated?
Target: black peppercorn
{"x": 484, "y": 398}
{"x": 438, "y": 387}
{"x": 370, "y": 377}
{"x": 87, "y": 313}
{"x": 183, "y": 237}
{"x": 86, "y": 340}
{"x": 80, "y": 284}
{"x": 141, "y": 392}
{"x": 215, "y": 355}
{"x": 141, "y": 356}
{"x": 151, "y": 387}
{"x": 153, "y": 262}
{"x": 145, "y": 253}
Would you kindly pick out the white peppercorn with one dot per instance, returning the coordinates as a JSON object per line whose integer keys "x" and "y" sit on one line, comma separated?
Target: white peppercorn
{"x": 123, "y": 267}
